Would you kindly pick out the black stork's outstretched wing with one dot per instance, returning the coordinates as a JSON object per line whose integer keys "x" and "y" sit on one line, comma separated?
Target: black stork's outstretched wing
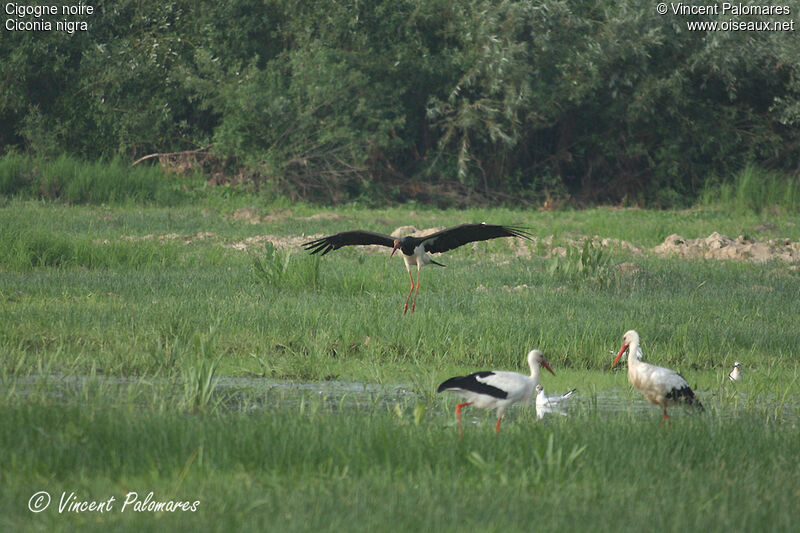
{"x": 348, "y": 238}
{"x": 450, "y": 238}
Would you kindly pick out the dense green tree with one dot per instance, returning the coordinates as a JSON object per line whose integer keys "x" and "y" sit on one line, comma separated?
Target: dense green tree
{"x": 600, "y": 100}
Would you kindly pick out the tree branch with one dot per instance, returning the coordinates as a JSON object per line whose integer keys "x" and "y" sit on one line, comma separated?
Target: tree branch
{"x": 170, "y": 154}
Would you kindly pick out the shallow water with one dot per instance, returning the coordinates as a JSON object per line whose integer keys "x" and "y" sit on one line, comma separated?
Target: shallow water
{"x": 234, "y": 393}
{"x": 243, "y": 394}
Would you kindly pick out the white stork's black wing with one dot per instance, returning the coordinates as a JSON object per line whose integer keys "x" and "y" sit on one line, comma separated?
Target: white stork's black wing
{"x": 454, "y": 237}
{"x": 474, "y": 383}
{"x": 348, "y": 238}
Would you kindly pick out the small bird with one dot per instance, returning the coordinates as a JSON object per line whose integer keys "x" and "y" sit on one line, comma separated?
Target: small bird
{"x": 736, "y": 373}
{"x": 416, "y": 249}
{"x": 661, "y": 386}
{"x": 551, "y": 404}
{"x": 496, "y": 389}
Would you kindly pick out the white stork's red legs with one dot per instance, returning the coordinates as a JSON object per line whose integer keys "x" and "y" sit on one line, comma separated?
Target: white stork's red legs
{"x": 416, "y": 249}
{"x": 661, "y": 386}
{"x": 458, "y": 416}
{"x": 496, "y": 389}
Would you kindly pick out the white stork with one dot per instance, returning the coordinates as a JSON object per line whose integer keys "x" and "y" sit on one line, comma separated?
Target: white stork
{"x": 736, "y": 373}
{"x": 496, "y": 389}
{"x": 551, "y": 404}
{"x": 416, "y": 249}
{"x": 661, "y": 386}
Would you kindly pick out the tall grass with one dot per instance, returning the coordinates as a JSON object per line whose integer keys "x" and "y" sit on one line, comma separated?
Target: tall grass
{"x": 23, "y": 247}
{"x": 755, "y": 189}
{"x": 127, "y": 319}
{"x": 73, "y": 181}
{"x": 312, "y": 466}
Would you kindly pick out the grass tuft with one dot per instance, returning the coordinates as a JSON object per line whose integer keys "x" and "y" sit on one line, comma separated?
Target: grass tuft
{"x": 588, "y": 265}
{"x": 757, "y": 190}
{"x": 283, "y": 269}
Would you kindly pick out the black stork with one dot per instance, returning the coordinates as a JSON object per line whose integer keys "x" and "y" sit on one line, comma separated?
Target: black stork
{"x": 416, "y": 249}
{"x": 496, "y": 389}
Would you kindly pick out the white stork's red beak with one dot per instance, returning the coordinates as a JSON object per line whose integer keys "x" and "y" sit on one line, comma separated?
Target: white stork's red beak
{"x": 396, "y": 246}
{"x": 621, "y": 351}
{"x": 544, "y": 364}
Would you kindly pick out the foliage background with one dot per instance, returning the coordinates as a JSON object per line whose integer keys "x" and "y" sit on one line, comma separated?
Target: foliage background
{"x": 593, "y": 100}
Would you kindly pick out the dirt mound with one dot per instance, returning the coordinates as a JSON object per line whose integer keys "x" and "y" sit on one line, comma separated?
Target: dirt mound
{"x": 546, "y": 244}
{"x": 250, "y": 215}
{"x": 717, "y": 246}
{"x": 325, "y": 216}
{"x": 187, "y": 239}
{"x": 294, "y": 242}
{"x": 628, "y": 268}
{"x": 280, "y": 243}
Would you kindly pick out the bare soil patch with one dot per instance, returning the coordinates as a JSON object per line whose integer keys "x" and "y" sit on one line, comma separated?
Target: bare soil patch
{"x": 717, "y": 246}
{"x": 251, "y": 215}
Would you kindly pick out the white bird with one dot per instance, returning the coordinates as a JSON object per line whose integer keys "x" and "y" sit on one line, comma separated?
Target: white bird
{"x": 661, "y": 386}
{"x": 496, "y": 389}
{"x": 551, "y": 404}
{"x": 736, "y": 373}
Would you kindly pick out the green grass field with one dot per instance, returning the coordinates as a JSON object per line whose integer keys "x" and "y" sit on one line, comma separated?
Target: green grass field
{"x": 119, "y": 321}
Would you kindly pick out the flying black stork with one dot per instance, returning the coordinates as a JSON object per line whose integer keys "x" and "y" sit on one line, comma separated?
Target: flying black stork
{"x": 416, "y": 249}
{"x": 496, "y": 389}
{"x": 661, "y": 386}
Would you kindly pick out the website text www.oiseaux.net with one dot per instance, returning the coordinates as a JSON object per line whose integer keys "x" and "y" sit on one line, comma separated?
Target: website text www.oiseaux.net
{"x": 748, "y": 17}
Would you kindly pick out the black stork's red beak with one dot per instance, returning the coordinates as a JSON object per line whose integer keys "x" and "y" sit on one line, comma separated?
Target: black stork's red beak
{"x": 396, "y": 246}
{"x": 621, "y": 351}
